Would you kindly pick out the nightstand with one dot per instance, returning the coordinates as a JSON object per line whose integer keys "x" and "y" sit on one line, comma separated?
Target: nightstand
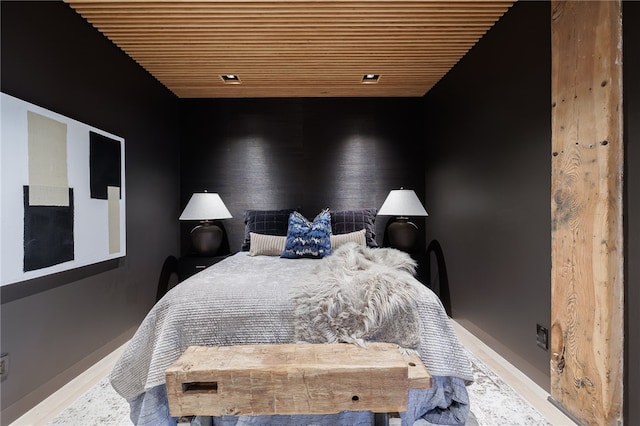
{"x": 191, "y": 265}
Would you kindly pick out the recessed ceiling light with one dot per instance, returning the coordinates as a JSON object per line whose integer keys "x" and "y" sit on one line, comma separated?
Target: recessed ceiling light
{"x": 370, "y": 78}
{"x": 230, "y": 78}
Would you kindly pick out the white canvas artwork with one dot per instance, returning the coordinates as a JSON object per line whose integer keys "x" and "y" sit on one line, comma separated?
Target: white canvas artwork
{"x": 63, "y": 193}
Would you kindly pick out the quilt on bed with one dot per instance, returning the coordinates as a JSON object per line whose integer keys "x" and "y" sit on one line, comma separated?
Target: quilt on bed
{"x": 258, "y": 300}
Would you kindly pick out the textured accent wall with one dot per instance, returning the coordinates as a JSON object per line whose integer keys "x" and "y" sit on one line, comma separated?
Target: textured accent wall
{"x": 300, "y": 153}
{"x": 54, "y": 327}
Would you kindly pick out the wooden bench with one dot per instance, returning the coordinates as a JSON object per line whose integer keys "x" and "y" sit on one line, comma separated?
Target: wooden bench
{"x": 292, "y": 379}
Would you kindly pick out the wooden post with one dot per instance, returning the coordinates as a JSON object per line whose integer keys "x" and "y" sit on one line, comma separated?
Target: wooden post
{"x": 587, "y": 311}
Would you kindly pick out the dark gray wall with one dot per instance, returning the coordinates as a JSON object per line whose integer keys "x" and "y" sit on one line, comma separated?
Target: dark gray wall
{"x": 631, "y": 59}
{"x": 300, "y": 153}
{"x": 488, "y": 185}
{"x": 56, "y": 326}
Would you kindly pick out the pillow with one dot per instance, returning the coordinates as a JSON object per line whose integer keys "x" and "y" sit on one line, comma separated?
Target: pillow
{"x": 266, "y": 222}
{"x": 346, "y": 221}
{"x": 308, "y": 239}
{"x": 357, "y": 237}
{"x": 266, "y": 245}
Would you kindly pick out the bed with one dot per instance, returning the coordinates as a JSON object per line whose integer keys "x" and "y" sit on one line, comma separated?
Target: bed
{"x": 344, "y": 289}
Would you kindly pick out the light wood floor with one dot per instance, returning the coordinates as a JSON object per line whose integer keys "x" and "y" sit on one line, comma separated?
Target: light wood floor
{"x": 529, "y": 390}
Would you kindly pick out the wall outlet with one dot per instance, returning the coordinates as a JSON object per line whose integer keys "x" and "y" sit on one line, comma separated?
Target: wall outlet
{"x": 4, "y": 366}
{"x": 542, "y": 337}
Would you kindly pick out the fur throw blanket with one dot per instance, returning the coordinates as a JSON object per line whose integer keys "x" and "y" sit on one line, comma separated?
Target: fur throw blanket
{"x": 359, "y": 294}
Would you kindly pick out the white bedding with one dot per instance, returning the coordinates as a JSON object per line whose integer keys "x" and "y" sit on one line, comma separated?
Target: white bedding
{"x": 247, "y": 300}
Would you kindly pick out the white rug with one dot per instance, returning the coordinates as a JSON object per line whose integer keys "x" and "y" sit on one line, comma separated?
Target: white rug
{"x": 99, "y": 406}
{"x": 493, "y": 403}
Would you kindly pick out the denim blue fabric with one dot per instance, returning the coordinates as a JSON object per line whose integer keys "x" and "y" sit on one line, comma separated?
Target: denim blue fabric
{"x": 445, "y": 403}
{"x": 308, "y": 239}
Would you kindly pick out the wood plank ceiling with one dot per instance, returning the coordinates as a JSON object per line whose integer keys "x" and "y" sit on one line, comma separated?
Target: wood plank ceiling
{"x": 294, "y": 48}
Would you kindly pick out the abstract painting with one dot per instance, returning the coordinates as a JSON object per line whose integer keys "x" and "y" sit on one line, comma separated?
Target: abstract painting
{"x": 63, "y": 193}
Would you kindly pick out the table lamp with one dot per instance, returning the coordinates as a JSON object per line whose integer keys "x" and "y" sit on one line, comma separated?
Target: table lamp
{"x": 402, "y": 203}
{"x": 206, "y": 207}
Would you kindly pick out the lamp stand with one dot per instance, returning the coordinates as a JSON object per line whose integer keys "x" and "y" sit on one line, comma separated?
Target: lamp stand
{"x": 402, "y": 234}
{"x": 206, "y": 238}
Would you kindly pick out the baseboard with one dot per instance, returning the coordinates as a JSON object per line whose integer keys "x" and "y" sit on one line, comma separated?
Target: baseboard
{"x": 541, "y": 378}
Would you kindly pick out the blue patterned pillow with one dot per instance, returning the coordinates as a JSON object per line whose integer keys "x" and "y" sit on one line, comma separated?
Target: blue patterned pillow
{"x": 308, "y": 239}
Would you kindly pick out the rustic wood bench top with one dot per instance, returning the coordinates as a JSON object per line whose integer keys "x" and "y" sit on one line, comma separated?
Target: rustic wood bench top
{"x": 292, "y": 379}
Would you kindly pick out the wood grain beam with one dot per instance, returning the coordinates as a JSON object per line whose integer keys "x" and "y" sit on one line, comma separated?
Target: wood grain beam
{"x": 587, "y": 280}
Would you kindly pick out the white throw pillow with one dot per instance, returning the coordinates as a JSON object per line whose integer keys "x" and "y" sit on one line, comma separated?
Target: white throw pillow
{"x": 266, "y": 245}
{"x": 357, "y": 237}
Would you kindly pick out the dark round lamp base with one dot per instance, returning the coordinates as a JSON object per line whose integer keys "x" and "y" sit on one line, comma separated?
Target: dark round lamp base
{"x": 206, "y": 239}
{"x": 403, "y": 234}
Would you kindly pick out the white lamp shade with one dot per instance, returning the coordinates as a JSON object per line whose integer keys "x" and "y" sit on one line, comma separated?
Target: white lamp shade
{"x": 205, "y": 206}
{"x": 402, "y": 202}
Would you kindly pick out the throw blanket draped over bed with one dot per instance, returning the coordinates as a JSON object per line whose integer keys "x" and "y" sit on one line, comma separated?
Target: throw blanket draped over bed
{"x": 355, "y": 295}
{"x": 359, "y": 294}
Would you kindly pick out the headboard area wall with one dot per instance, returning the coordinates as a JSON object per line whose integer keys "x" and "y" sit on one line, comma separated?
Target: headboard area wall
{"x": 300, "y": 153}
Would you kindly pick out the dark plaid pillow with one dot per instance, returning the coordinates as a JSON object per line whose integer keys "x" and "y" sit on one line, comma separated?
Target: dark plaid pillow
{"x": 267, "y": 222}
{"x": 346, "y": 221}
